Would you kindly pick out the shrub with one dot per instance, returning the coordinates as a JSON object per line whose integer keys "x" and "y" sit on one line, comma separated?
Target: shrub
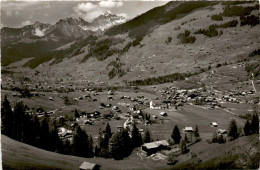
{"x": 218, "y": 65}
{"x": 185, "y": 37}
{"x": 251, "y": 20}
{"x": 233, "y": 130}
{"x": 217, "y": 17}
{"x": 116, "y": 70}
{"x": 159, "y": 80}
{"x": 230, "y": 11}
{"x": 212, "y": 29}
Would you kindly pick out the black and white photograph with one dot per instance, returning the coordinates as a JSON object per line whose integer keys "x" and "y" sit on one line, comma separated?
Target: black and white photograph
{"x": 148, "y": 85}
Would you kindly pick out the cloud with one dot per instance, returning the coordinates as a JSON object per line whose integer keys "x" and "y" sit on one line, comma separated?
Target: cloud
{"x": 24, "y": 5}
{"x": 46, "y": 14}
{"x": 85, "y": 7}
{"x": 91, "y": 10}
{"x": 27, "y": 22}
{"x": 110, "y": 4}
{"x": 17, "y": 13}
{"x": 88, "y": 11}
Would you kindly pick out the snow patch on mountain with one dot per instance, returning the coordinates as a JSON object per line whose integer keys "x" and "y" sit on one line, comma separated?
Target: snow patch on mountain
{"x": 39, "y": 32}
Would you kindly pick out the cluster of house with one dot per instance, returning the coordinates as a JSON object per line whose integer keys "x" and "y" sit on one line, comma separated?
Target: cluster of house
{"x": 200, "y": 96}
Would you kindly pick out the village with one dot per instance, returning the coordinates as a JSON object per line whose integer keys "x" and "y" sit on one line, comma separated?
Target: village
{"x": 154, "y": 108}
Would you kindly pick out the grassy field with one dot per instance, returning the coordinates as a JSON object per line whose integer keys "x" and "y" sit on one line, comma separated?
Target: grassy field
{"x": 17, "y": 155}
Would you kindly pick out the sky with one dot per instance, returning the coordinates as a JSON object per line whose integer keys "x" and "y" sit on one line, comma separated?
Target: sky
{"x": 21, "y": 13}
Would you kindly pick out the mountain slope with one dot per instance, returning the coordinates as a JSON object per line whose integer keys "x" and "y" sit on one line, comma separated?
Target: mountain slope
{"x": 70, "y": 28}
{"x": 40, "y": 39}
{"x": 36, "y": 29}
{"x": 159, "y": 51}
{"x": 142, "y": 24}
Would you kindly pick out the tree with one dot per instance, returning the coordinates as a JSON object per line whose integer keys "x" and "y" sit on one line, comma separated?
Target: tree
{"x": 136, "y": 137}
{"x": 172, "y": 159}
{"x": 66, "y": 147}
{"x": 183, "y": 147}
{"x": 45, "y": 134}
{"x": 186, "y": 138}
{"x": 80, "y": 145}
{"x": 90, "y": 150}
{"x": 19, "y": 118}
{"x": 247, "y": 128}
{"x": 7, "y": 118}
{"x": 36, "y": 131}
{"x": 108, "y": 131}
{"x": 76, "y": 114}
{"x": 96, "y": 151}
{"x": 56, "y": 143}
{"x": 103, "y": 142}
{"x": 66, "y": 100}
{"x": 233, "y": 129}
{"x": 255, "y": 124}
{"x": 176, "y": 136}
{"x": 214, "y": 137}
{"x": 196, "y": 132}
{"x": 121, "y": 145}
{"x": 147, "y": 136}
{"x": 221, "y": 139}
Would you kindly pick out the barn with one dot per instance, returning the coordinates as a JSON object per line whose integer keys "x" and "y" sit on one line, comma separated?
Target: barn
{"x": 153, "y": 147}
{"x": 88, "y": 166}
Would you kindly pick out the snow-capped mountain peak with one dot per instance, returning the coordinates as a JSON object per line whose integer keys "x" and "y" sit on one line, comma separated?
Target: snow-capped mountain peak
{"x": 106, "y": 21}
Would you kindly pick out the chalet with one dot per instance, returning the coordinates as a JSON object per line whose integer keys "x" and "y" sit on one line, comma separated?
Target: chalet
{"x": 115, "y": 108}
{"x": 108, "y": 105}
{"x": 154, "y": 106}
{"x": 132, "y": 108}
{"x": 50, "y": 112}
{"x": 153, "y": 147}
{"x": 88, "y": 122}
{"x": 110, "y": 92}
{"x": 188, "y": 129}
{"x": 88, "y": 166}
{"x": 40, "y": 114}
{"x": 213, "y": 124}
{"x": 163, "y": 114}
{"x": 222, "y": 131}
{"x": 14, "y": 94}
{"x": 64, "y": 133}
{"x": 154, "y": 117}
{"x": 109, "y": 98}
{"x": 96, "y": 113}
{"x": 35, "y": 93}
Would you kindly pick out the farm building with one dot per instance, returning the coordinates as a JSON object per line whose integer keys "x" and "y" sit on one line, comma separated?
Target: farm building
{"x": 163, "y": 114}
{"x": 213, "y": 124}
{"x": 153, "y": 147}
{"x": 88, "y": 166}
{"x": 188, "y": 129}
{"x": 222, "y": 131}
{"x": 154, "y": 106}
